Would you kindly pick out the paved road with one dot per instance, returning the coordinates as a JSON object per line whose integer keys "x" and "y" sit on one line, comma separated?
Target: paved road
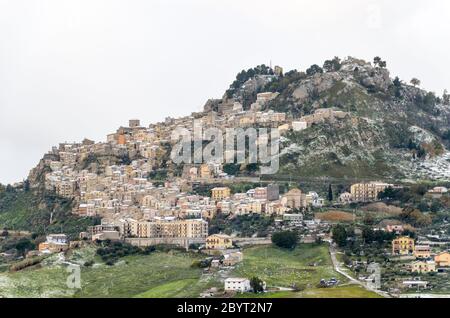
{"x": 350, "y": 278}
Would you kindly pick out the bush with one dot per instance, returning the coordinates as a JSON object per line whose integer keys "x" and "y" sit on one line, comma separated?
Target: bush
{"x": 205, "y": 263}
{"x": 257, "y": 285}
{"x": 314, "y": 69}
{"x": 112, "y": 251}
{"x": 285, "y": 239}
{"x": 25, "y": 263}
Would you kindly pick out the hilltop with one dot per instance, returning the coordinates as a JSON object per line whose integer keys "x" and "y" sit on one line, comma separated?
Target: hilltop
{"x": 356, "y": 123}
{"x": 392, "y": 129}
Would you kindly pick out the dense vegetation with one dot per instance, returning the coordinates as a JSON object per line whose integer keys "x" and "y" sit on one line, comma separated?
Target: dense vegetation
{"x": 111, "y": 252}
{"x": 40, "y": 213}
{"x": 285, "y": 239}
{"x": 243, "y": 225}
{"x": 245, "y": 75}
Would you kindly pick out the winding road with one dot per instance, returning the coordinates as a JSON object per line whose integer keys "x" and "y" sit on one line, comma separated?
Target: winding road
{"x": 350, "y": 278}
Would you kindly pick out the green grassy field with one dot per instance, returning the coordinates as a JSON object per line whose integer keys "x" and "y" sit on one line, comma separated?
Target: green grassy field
{"x": 169, "y": 275}
{"x": 283, "y": 268}
{"x": 156, "y": 275}
{"x": 348, "y": 291}
{"x": 169, "y": 290}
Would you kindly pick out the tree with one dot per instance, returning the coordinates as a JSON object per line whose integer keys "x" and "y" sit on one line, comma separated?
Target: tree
{"x": 415, "y": 82}
{"x": 257, "y": 285}
{"x": 368, "y": 234}
{"x": 436, "y": 206}
{"x": 330, "y": 193}
{"x": 332, "y": 65}
{"x": 388, "y": 194}
{"x": 446, "y": 98}
{"x": 285, "y": 239}
{"x": 415, "y": 217}
{"x": 446, "y": 135}
{"x": 396, "y": 88}
{"x": 340, "y": 235}
{"x": 25, "y": 245}
{"x": 231, "y": 169}
{"x": 314, "y": 69}
{"x": 26, "y": 185}
{"x": 376, "y": 60}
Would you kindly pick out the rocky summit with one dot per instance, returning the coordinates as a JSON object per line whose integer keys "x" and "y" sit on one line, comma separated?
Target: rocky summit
{"x": 390, "y": 129}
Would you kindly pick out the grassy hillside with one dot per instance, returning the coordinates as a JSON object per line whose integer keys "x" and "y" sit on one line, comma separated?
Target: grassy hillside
{"x": 304, "y": 266}
{"x": 157, "y": 275}
{"x": 170, "y": 275}
{"x": 32, "y": 211}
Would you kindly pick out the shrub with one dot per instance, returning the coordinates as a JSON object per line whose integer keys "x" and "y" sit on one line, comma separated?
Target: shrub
{"x": 25, "y": 263}
{"x": 285, "y": 239}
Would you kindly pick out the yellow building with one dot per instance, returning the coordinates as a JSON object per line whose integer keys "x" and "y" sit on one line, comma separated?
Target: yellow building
{"x": 169, "y": 228}
{"x": 363, "y": 192}
{"x": 423, "y": 267}
{"x": 205, "y": 172}
{"x": 220, "y": 193}
{"x": 219, "y": 242}
{"x": 403, "y": 246}
{"x": 442, "y": 259}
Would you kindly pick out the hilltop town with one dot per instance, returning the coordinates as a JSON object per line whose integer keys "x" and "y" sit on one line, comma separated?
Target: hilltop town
{"x": 359, "y": 192}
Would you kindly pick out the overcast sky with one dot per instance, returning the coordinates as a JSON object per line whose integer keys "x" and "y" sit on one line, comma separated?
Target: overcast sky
{"x": 81, "y": 68}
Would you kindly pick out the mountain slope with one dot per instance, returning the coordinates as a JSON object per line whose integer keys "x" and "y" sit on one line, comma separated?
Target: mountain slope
{"x": 392, "y": 129}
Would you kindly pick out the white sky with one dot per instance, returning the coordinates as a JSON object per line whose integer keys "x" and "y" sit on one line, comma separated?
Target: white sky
{"x": 81, "y": 68}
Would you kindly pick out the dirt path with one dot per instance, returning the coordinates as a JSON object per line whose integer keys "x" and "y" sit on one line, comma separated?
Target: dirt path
{"x": 350, "y": 278}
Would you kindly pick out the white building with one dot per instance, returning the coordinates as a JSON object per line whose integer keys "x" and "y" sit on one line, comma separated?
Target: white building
{"x": 299, "y": 125}
{"x": 293, "y": 218}
{"x": 241, "y": 285}
{"x": 57, "y": 238}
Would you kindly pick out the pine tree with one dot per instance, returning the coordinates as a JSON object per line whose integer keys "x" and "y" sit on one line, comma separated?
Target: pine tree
{"x": 330, "y": 193}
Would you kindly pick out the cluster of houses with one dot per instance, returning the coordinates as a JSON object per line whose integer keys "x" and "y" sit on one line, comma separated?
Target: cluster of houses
{"x": 129, "y": 203}
{"x": 167, "y": 214}
{"x": 426, "y": 261}
{"x": 264, "y": 200}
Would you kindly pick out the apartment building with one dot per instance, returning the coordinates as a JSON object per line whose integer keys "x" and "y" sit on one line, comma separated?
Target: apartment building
{"x": 169, "y": 227}
{"x": 423, "y": 267}
{"x": 65, "y": 188}
{"x": 403, "y": 246}
{"x": 364, "y": 192}
{"x": 220, "y": 193}
{"x": 219, "y": 242}
{"x": 422, "y": 251}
